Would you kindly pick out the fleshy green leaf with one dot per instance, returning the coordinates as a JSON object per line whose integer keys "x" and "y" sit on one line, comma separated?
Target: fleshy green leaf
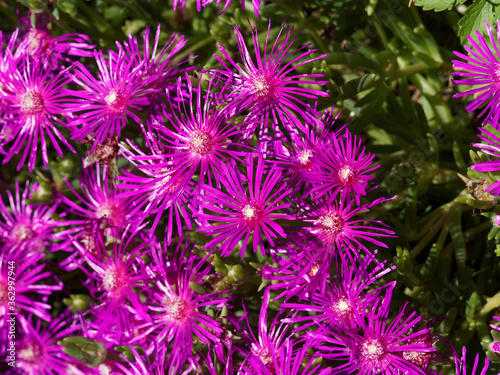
{"x": 438, "y": 5}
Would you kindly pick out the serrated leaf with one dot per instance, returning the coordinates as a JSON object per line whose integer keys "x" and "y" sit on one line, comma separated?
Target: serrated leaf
{"x": 438, "y": 5}
{"x": 475, "y": 16}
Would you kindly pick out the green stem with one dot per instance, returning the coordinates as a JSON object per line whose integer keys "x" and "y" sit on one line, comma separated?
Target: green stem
{"x": 428, "y": 237}
{"x": 409, "y": 70}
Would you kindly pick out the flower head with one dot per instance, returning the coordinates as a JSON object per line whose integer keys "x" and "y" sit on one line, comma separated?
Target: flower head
{"x": 237, "y": 213}
{"x": 99, "y": 197}
{"x": 267, "y": 86}
{"x": 32, "y": 99}
{"x": 37, "y": 351}
{"x": 106, "y": 103}
{"x": 115, "y": 280}
{"x": 342, "y": 168}
{"x": 26, "y": 226}
{"x": 199, "y": 136}
{"x": 481, "y": 67}
{"x": 176, "y": 308}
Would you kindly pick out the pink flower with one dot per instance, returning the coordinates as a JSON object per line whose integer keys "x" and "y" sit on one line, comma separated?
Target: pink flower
{"x": 237, "y": 214}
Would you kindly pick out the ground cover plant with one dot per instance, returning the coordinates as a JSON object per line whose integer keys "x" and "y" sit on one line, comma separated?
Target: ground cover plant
{"x": 264, "y": 187}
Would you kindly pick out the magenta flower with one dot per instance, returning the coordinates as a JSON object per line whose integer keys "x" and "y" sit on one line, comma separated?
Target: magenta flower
{"x": 106, "y": 103}
{"x": 346, "y": 296}
{"x": 160, "y": 189}
{"x": 491, "y": 147}
{"x": 176, "y": 309}
{"x": 32, "y": 99}
{"x": 262, "y": 351}
{"x": 380, "y": 347}
{"x": 164, "y": 66}
{"x": 342, "y": 168}
{"x": 268, "y": 87}
{"x": 115, "y": 280}
{"x": 26, "y": 277}
{"x": 332, "y": 225}
{"x": 305, "y": 270}
{"x": 99, "y": 197}
{"x": 311, "y": 140}
{"x": 285, "y": 361}
{"x": 481, "y": 67}
{"x": 237, "y": 213}
{"x": 200, "y": 136}
{"x": 37, "y": 351}
{"x": 27, "y": 226}
{"x": 39, "y": 39}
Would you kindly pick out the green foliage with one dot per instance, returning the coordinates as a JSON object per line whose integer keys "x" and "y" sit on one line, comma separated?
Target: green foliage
{"x": 438, "y": 5}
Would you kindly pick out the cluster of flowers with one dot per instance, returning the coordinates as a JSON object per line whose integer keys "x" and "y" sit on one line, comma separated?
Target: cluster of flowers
{"x": 236, "y": 153}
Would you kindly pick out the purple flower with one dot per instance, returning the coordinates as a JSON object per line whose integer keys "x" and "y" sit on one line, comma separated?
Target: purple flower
{"x": 268, "y": 87}
{"x": 176, "y": 309}
{"x": 380, "y": 346}
{"x": 332, "y": 225}
{"x": 297, "y": 156}
{"x": 115, "y": 280}
{"x": 31, "y": 100}
{"x": 39, "y": 39}
{"x": 27, "y": 280}
{"x": 99, "y": 197}
{"x": 106, "y": 103}
{"x": 262, "y": 351}
{"x": 286, "y": 361}
{"x": 199, "y": 137}
{"x": 345, "y": 296}
{"x": 492, "y": 147}
{"x": 481, "y": 67}
{"x": 163, "y": 66}
{"x": 305, "y": 271}
{"x": 237, "y": 213}
{"x": 27, "y": 226}
{"x": 37, "y": 351}
{"x": 342, "y": 168}
{"x": 159, "y": 190}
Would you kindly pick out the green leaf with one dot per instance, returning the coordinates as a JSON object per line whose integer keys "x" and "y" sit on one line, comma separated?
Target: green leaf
{"x": 438, "y": 5}
{"x": 475, "y": 16}
{"x": 457, "y": 235}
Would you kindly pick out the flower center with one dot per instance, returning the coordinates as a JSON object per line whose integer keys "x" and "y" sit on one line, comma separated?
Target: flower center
{"x": 264, "y": 88}
{"x": 341, "y": 308}
{"x": 329, "y": 225}
{"x": 36, "y": 37}
{"x": 251, "y": 214}
{"x": 21, "y": 233}
{"x": 304, "y": 159}
{"x": 115, "y": 280}
{"x": 111, "y": 210}
{"x": 32, "y": 353}
{"x": 32, "y": 103}
{"x": 116, "y": 101}
{"x": 417, "y": 358}
{"x": 314, "y": 269}
{"x": 373, "y": 351}
{"x": 178, "y": 309}
{"x": 346, "y": 175}
{"x": 263, "y": 353}
{"x": 200, "y": 142}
